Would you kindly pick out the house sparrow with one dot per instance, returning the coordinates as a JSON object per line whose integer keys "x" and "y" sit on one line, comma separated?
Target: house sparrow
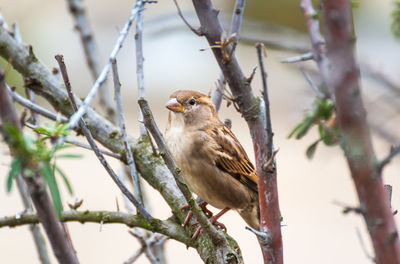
{"x": 213, "y": 162}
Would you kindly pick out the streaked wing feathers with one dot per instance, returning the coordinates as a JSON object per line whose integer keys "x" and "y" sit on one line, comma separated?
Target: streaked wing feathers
{"x": 232, "y": 158}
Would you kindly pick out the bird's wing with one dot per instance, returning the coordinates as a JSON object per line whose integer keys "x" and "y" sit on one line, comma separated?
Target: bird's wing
{"x": 232, "y": 159}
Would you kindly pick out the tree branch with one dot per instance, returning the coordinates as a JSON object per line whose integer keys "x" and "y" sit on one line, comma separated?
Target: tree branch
{"x": 357, "y": 145}
{"x": 166, "y": 227}
{"x": 250, "y": 108}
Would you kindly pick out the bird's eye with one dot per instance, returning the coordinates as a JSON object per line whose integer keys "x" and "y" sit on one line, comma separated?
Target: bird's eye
{"x": 192, "y": 101}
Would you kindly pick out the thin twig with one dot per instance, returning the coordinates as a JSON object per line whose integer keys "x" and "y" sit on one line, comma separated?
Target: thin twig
{"x": 312, "y": 84}
{"x": 139, "y": 66}
{"x": 145, "y": 245}
{"x": 317, "y": 41}
{"x": 121, "y": 121}
{"x": 195, "y": 31}
{"x": 303, "y": 57}
{"x": 101, "y": 78}
{"x": 363, "y": 247}
{"x": 96, "y": 149}
{"x": 270, "y": 146}
{"x": 36, "y": 108}
{"x": 92, "y": 54}
{"x": 235, "y": 29}
{"x": 393, "y": 152}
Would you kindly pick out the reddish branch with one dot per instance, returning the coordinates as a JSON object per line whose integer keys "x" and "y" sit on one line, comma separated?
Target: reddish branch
{"x": 62, "y": 247}
{"x": 249, "y": 106}
{"x": 351, "y": 115}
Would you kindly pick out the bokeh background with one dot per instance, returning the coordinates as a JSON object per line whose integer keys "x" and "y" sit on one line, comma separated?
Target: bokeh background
{"x": 315, "y": 229}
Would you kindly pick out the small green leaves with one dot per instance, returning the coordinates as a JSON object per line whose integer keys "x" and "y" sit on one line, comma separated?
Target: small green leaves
{"x": 311, "y": 149}
{"x": 16, "y": 166}
{"x": 66, "y": 181}
{"x": 322, "y": 115}
{"x": 32, "y": 156}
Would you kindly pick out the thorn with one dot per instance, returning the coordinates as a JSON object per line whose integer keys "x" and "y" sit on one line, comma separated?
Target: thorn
{"x": 267, "y": 165}
{"x": 252, "y": 75}
{"x": 116, "y": 202}
{"x": 101, "y": 225}
{"x": 76, "y": 204}
{"x": 264, "y": 237}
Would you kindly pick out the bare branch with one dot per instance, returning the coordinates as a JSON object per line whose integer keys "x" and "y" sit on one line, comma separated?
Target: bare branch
{"x": 92, "y": 54}
{"x": 121, "y": 121}
{"x": 312, "y": 84}
{"x": 95, "y": 148}
{"x": 393, "y": 152}
{"x": 317, "y": 41}
{"x": 235, "y": 29}
{"x": 195, "y": 31}
{"x": 166, "y": 227}
{"x": 101, "y": 78}
{"x": 303, "y": 57}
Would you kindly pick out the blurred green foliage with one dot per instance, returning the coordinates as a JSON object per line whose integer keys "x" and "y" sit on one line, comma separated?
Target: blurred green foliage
{"x": 322, "y": 115}
{"x": 36, "y": 156}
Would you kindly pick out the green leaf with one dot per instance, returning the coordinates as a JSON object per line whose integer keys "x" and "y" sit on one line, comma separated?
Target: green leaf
{"x": 69, "y": 156}
{"x": 66, "y": 181}
{"x": 327, "y": 135}
{"x": 16, "y": 166}
{"x": 311, "y": 149}
{"x": 49, "y": 178}
{"x": 302, "y": 128}
{"x": 42, "y": 130}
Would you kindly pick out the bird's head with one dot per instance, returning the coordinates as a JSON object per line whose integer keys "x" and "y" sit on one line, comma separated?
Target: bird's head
{"x": 191, "y": 107}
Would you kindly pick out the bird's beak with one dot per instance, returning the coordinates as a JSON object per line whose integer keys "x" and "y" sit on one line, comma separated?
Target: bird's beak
{"x": 174, "y": 105}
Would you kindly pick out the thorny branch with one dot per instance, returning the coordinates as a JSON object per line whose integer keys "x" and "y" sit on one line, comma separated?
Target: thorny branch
{"x": 236, "y": 23}
{"x": 251, "y": 109}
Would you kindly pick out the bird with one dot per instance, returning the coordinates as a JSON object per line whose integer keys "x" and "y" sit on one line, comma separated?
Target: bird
{"x": 213, "y": 163}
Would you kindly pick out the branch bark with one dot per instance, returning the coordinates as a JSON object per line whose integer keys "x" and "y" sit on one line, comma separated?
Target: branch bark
{"x": 357, "y": 145}
{"x": 249, "y": 106}
{"x": 167, "y": 227}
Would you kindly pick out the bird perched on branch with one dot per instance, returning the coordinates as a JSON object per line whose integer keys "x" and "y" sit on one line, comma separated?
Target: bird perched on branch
{"x": 213, "y": 162}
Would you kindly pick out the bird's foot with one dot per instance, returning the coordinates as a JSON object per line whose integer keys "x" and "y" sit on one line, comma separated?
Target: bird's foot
{"x": 213, "y": 220}
{"x": 203, "y": 206}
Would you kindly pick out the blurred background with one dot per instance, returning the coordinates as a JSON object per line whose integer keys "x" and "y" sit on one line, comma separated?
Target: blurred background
{"x": 314, "y": 228}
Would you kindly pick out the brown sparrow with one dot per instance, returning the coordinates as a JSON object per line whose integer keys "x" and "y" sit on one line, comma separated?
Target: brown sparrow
{"x": 213, "y": 162}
